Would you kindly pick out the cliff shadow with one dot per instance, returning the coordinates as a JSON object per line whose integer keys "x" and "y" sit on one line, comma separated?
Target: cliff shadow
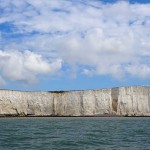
{"x": 114, "y": 96}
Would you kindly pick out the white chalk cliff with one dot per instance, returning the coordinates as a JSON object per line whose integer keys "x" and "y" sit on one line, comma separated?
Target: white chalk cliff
{"x": 124, "y": 101}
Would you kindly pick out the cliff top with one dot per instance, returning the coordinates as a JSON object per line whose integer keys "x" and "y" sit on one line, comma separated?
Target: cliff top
{"x": 63, "y": 91}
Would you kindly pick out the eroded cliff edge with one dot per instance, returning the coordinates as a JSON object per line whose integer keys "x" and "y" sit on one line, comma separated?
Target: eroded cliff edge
{"x": 123, "y": 101}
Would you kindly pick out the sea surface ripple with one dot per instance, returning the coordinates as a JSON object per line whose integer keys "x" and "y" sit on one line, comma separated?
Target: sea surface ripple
{"x": 75, "y": 133}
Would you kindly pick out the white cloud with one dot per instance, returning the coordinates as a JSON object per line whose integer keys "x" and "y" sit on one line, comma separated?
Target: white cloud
{"x": 109, "y": 38}
{"x": 139, "y": 70}
{"x": 18, "y": 66}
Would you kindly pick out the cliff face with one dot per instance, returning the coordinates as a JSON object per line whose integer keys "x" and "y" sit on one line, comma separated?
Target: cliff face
{"x": 130, "y": 101}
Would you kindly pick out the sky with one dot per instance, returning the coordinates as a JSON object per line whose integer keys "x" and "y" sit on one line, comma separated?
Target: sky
{"x": 74, "y": 44}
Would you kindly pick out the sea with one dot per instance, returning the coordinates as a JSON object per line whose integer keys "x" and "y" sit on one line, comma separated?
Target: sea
{"x": 75, "y": 133}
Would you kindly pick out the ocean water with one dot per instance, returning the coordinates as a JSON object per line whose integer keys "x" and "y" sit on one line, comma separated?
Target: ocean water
{"x": 71, "y": 133}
